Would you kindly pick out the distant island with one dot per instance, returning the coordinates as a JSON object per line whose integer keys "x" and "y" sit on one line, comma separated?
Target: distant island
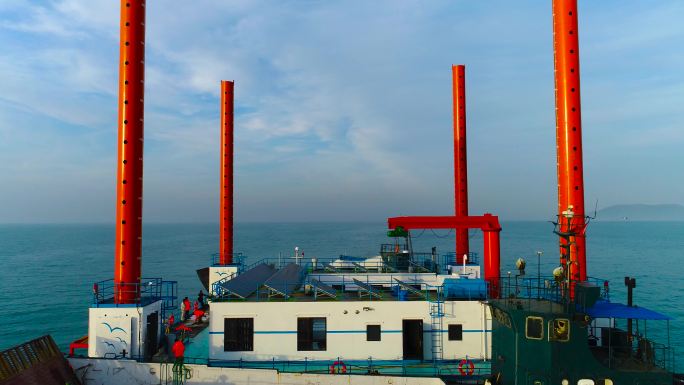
{"x": 642, "y": 212}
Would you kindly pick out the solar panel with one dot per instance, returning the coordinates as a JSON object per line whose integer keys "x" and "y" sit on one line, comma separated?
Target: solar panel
{"x": 410, "y": 288}
{"x": 359, "y": 266}
{"x": 248, "y": 282}
{"x": 322, "y": 288}
{"x": 364, "y": 288}
{"x": 330, "y": 268}
{"x": 286, "y": 280}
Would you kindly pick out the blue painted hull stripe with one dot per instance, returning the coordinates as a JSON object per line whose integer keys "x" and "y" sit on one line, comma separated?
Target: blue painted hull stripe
{"x": 357, "y": 331}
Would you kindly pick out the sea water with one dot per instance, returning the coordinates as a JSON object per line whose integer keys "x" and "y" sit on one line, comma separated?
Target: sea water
{"x": 47, "y": 271}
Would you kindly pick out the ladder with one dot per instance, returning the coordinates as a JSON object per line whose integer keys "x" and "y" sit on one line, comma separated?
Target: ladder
{"x": 437, "y": 323}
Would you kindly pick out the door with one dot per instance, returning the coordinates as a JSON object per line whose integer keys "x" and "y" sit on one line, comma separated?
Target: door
{"x": 412, "y": 331}
{"x": 152, "y": 335}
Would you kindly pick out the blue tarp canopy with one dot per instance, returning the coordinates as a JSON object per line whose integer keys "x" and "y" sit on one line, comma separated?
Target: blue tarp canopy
{"x": 605, "y": 309}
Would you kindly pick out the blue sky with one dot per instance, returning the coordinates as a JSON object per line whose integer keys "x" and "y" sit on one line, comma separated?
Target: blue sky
{"x": 343, "y": 108}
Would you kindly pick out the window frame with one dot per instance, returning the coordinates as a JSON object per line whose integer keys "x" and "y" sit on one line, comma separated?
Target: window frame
{"x": 368, "y": 333}
{"x": 309, "y": 345}
{"x": 238, "y": 345}
{"x": 527, "y": 324}
{"x": 552, "y": 328}
{"x": 458, "y": 333}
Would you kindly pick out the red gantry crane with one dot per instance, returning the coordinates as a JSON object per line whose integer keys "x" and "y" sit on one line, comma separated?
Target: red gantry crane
{"x": 461, "y": 222}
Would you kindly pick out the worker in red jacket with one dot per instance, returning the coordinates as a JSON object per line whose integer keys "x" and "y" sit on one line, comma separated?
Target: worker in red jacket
{"x": 186, "y": 301}
{"x": 178, "y": 350}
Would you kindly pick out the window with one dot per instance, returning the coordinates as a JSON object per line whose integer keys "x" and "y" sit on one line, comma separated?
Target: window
{"x": 372, "y": 332}
{"x": 311, "y": 334}
{"x": 455, "y": 332}
{"x": 238, "y": 334}
{"x": 559, "y": 330}
{"x": 534, "y": 328}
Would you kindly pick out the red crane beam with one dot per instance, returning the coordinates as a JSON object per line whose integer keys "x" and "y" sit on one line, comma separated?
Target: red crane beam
{"x": 226, "y": 209}
{"x": 569, "y": 134}
{"x": 460, "y": 159}
{"x": 488, "y": 223}
{"x": 129, "y": 191}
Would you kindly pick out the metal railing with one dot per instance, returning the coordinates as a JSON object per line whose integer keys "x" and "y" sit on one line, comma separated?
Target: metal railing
{"x": 450, "y": 259}
{"x": 238, "y": 259}
{"x": 620, "y": 351}
{"x": 411, "y": 368}
{"x": 544, "y": 288}
{"x": 148, "y": 290}
{"x": 381, "y": 288}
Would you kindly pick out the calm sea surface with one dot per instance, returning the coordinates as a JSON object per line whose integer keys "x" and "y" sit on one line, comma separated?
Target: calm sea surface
{"x": 47, "y": 271}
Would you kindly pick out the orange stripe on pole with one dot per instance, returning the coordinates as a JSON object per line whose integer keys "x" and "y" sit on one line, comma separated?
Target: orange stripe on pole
{"x": 226, "y": 209}
{"x": 460, "y": 159}
{"x": 569, "y": 130}
{"x": 129, "y": 191}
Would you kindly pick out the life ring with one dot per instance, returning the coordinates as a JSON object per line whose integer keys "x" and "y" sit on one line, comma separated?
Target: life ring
{"x": 466, "y": 367}
{"x": 339, "y": 366}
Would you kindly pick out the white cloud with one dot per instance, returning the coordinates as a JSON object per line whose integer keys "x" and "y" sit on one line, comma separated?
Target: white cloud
{"x": 350, "y": 99}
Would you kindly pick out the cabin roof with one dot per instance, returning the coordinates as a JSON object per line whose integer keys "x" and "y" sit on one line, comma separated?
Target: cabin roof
{"x": 606, "y": 309}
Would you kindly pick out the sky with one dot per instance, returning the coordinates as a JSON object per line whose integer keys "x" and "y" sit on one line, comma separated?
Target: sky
{"x": 343, "y": 109}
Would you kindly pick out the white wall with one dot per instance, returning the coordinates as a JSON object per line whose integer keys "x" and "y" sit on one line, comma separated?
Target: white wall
{"x": 217, "y": 273}
{"x": 117, "y": 372}
{"x": 113, "y": 329}
{"x": 275, "y": 327}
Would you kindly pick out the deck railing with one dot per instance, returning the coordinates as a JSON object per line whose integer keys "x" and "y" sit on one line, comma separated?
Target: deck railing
{"x": 520, "y": 287}
{"x": 238, "y": 259}
{"x": 411, "y": 368}
{"x": 150, "y": 289}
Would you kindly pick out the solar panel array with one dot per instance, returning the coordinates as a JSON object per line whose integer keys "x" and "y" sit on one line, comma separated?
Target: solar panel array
{"x": 366, "y": 289}
{"x": 286, "y": 280}
{"x": 322, "y": 288}
{"x": 410, "y": 288}
{"x": 248, "y": 282}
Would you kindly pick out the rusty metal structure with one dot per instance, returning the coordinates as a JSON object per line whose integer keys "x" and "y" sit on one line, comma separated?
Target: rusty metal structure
{"x": 129, "y": 177}
{"x": 226, "y": 205}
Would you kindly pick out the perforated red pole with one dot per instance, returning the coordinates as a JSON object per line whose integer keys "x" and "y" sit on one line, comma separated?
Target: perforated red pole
{"x": 492, "y": 259}
{"x": 226, "y": 220}
{"x": 569, "y": 131}
{"x": 460, "y": 159}
{"x": 129, "y": 178}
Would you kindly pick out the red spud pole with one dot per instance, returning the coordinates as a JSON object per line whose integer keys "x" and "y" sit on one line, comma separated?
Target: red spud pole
{"x": 129, "y": 177}
{"x": 226, "y": 209}
{"x": 460, "y": 159}
{"x": 569, "y": 133}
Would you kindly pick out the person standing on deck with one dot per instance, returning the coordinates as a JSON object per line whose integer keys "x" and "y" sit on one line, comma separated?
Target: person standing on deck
{"x": 182, "y": 309}
{"x": 200, "y": 299}
{"x": 186, "y": 301}
{"x": 178, "y": 350}
{"x": 170, "y": 323}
